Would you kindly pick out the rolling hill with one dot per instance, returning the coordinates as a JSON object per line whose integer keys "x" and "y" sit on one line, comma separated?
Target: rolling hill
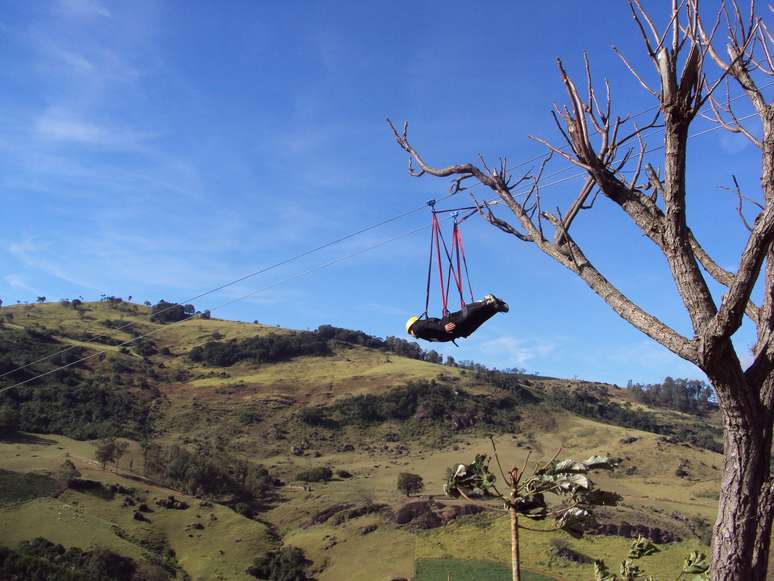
{"x": 225, "y": 417}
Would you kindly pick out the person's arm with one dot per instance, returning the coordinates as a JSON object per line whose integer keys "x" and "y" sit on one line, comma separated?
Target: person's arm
{"x": 449, "y": 327}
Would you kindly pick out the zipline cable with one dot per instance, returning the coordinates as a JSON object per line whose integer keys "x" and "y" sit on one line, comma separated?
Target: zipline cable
{"x": 243, "y": 278}
{"x": 325, "y": 265}
{"x": 367, "y": 229}
{"x": 230, "y": 302}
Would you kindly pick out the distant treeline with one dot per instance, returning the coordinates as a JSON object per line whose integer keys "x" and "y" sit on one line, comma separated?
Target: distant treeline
{"x": 42, "y": 559}
{"x": 205, "y": 473}
{"x": 276, "y": 347}
{"x": 394, "y": 345}
{"x": 75, "y": 402}
{"x": 597, "y": 406}
{"x": 422, "y": 402}
{"x": 685, "y": 395}
{"x": 260, "y": 349}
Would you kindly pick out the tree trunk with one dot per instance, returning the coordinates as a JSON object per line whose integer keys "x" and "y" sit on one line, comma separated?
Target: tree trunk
{"x": 515, "y": 558}
{"x": 742, "y": 531}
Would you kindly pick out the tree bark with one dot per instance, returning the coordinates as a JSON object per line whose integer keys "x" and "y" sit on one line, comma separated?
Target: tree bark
{"x": 515, "y": 557}
{"x": 742, "y": 529}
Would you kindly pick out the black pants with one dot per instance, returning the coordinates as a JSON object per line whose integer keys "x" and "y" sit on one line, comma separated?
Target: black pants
{"x": 470, "y": 318}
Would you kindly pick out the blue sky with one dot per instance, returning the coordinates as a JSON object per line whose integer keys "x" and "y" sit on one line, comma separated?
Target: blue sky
{"x": 159, "y": 149}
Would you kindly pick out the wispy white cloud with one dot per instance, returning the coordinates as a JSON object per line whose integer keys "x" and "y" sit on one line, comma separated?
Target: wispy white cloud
{"x": 37, "y": 255}
{"x": 647, "y": 356}
{"x": 17, "y": 281}
{"x": 58, "y": 124}
{"x": 512, "y": 351}
{"x": 732, "y": 143}
{"x": 97, "y": 64}
{"x": 72, "y": 60}
{"x": 84, "y": 8}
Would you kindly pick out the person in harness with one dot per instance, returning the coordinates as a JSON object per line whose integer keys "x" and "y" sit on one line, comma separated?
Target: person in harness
{"x": 458, "y": 324}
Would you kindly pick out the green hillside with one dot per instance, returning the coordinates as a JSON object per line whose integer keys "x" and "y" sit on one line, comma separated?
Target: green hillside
{"x": 225, "y": 417}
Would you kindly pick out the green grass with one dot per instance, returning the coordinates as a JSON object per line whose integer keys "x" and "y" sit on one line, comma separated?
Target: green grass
{"x": 16, "y": 487}
{"x": 222, "y": 550}
{"x": 276, "y": 392}
{"x": 439, "y": 570}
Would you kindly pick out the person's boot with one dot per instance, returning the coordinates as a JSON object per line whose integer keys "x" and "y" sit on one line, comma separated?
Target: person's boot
{"x": 501, "y": 306}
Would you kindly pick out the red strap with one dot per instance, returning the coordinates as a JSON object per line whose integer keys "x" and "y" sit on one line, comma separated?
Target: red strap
{"x": 465, "y": 262}
{"x": 437, "y": 232}
{"x": 458, "y": 277}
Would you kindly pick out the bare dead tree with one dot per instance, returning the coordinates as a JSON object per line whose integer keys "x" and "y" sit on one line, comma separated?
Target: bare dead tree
{"x": 603, "y": 144}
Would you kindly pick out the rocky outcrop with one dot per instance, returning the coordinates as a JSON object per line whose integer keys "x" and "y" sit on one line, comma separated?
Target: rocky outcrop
{"x": 624, "y": 529}
{"x": 340, "y": 513}
{"x": 430, "y": 514}
{"x": 172, "y": 502}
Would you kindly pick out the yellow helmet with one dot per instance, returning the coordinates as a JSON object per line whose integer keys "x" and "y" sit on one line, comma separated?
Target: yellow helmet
{"x": 410, "y": 322}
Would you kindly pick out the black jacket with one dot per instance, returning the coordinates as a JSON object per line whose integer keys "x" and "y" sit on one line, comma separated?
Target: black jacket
{"x": 467, "y": 320}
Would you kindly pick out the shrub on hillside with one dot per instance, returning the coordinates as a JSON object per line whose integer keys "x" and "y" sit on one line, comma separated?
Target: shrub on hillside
{"x": 67, "y": 472}
{"x": 83, "y": 411}
{"x": 76, "y": 402}
{"x": 286, "y": 564}
{"x": 209, "y": 474}
{"x": 9, "y": 421}
{"x": 599, "y": 408}
{"x": 42, "y": 559}
{"x": 265, "y": 349}
{"x": 317, "y": 474}
{"x": 685, "y": 395}
{"x": 164, "y": 312}
{"x": 409, "y": 483}
{"x": 423, "y": 403}
{"x": 390, "y": 344}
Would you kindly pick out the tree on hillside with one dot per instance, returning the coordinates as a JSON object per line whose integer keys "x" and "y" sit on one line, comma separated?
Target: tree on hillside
{"x": 409, "y": 483}
{"x": 605, "y": 146}
{"x": 67, "y": 472}
{"x": 121, "y": 448}
{"x": 164, "y": 312}
{"x": 106, "y": 452}
{"x": 9, "y": 421}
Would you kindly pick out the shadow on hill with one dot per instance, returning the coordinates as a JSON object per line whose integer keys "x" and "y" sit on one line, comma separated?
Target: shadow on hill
{"x": 25, "y": 438}
{"x": 17, "y": 487}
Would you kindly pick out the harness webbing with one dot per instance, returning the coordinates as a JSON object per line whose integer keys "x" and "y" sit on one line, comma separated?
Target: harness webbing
{"x": 456, "y": 260}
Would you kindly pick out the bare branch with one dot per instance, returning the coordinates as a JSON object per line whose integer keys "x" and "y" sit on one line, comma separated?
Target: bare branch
{"x": 467, "y": 168}
{"x": 499, "y": 223}
{"x": 740, "y": 202}
{"x": 729, "y": 316}
{"x": 634, "y": 72}
{"x": 576, "y": 207}
{"x": 735, "y": 126}
{"x": 644, "y": 34}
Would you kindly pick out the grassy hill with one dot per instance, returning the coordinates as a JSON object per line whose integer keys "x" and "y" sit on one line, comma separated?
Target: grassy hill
{"x": 229, "y": 396}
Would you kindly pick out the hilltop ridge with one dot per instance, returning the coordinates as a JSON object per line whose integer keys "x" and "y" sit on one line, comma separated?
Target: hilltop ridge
{"x": 252, "y": 407}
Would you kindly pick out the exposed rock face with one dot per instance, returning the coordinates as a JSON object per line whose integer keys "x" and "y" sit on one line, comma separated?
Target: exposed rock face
{"x": 346, "y": 515}
{"x": 624, "y": 529}
{"x": 420, "y": 514}
{"x": 340, "y": 513}
{"x": 429, "y": 514}
{"x": 324, "y": 515}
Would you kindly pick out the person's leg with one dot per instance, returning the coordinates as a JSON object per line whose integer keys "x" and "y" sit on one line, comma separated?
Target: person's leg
{"x": 473, "y": 316}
